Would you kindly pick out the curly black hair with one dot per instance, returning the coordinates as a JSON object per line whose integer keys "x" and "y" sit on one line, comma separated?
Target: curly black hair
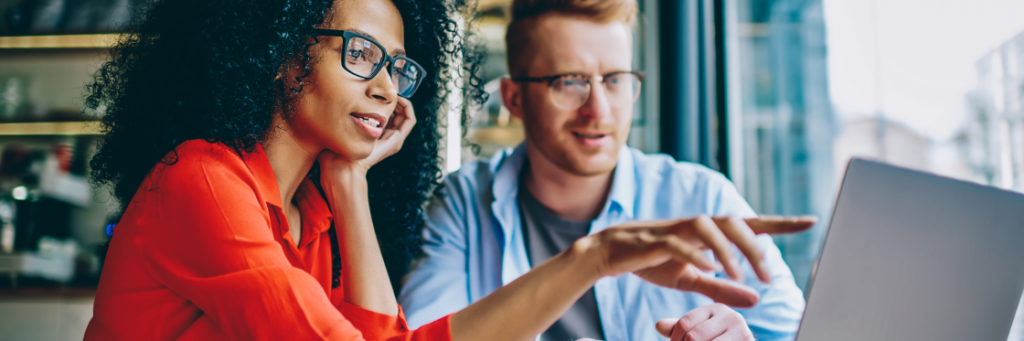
{"x": 194, "y": 69}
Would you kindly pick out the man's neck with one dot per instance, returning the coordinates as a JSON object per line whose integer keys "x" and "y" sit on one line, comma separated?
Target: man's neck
{"x": 570, "y": 196}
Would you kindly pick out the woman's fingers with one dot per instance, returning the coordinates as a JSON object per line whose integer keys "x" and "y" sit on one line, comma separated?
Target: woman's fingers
{"x": 740, "y": 234}
{"x": 405, "y": 116}
{"x": 397, "y": 116}
{"x": 684, "y": 252}
{"x": 684, "y": 241}
{"x": 724, "y": 291}
{"x": 713, "y": 238}
{"x": 398, "y": 127}
{"x": 781, "y": 224}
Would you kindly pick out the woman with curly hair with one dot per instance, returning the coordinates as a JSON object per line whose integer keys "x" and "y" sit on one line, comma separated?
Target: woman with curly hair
{"x": 228, "y": 124}
{"x": 272, "y": 158}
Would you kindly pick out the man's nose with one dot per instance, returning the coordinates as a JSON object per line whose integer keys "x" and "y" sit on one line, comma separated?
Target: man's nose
{"x": 597, "y": 105}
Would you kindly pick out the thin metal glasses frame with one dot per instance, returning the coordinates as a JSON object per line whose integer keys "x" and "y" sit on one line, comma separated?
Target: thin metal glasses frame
{"x": 551, "y": 79}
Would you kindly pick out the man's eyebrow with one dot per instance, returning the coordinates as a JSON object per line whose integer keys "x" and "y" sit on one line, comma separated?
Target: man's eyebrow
{"x": 397, "y": 52}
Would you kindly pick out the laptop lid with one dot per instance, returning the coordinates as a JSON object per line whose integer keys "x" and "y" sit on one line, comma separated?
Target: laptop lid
{"x": 915, "y": 256}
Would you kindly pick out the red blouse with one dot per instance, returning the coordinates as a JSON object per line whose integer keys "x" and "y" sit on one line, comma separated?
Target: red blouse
{"x": 203, "y": 253}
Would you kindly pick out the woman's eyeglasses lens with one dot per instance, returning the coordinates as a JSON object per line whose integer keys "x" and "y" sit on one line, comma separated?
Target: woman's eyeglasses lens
{"x": 571, "y": 91}
{"x": 363, "y": 57}
{"x": 405, "y": 74}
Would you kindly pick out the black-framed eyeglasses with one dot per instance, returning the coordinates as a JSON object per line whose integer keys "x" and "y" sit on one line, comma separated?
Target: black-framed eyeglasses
{"x": 365, "y": 57}
{"x": 570, "y": 91}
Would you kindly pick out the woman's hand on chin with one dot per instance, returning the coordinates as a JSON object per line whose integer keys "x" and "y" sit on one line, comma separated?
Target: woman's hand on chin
{"x": 395, "y": 132}
{"x": 389, "y": 143}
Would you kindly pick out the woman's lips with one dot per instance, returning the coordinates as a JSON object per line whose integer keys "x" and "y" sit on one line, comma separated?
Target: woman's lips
{"x": 372, "y": 124}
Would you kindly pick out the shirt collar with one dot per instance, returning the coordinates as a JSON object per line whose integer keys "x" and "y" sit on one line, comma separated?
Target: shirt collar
{"x": 624, "y": 183}
{"x": 508, "y": 165}
{"x": 316, "y": 214}
{"x": 506, "y": 168}
{"x": 259, "y": 165}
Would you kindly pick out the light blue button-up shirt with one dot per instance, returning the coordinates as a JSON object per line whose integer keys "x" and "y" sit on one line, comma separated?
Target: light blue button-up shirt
{"x": 473, "y": 245}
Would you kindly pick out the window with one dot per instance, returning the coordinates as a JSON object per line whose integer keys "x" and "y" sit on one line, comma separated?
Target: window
{"x": 783, "y": 123}
{"x": 934, "y": 86}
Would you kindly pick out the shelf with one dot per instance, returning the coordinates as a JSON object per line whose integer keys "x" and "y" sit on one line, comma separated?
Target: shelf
{"x": 73, "y": 41}
{"x": 508, "y": 135}
{"x": 50, "y": 128}
{"x": 483, "y": 5}
{"x": 64, "y": 291}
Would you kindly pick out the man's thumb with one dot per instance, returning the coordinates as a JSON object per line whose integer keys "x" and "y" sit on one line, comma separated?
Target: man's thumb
{"x": 664, "y": 326}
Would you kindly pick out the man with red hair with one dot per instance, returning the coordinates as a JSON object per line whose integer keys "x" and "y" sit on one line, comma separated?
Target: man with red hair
{"x": 573, "y": 86}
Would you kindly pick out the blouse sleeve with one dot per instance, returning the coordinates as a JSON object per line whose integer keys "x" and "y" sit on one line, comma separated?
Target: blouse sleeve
{"x": 387, "y": 327}
{"x": 211, "y": 243}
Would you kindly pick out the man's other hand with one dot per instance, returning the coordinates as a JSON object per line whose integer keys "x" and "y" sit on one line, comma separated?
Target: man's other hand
{"x": 715, "y": 322}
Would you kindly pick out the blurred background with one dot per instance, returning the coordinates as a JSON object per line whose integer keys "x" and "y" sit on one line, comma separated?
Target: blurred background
{"x": 776, "y": 94}
{"x": 52, "y": 221}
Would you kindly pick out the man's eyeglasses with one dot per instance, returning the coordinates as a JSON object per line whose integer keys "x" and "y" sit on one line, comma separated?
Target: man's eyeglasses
{"x": 364, "y": 58}
{"x": 570, "y": 91}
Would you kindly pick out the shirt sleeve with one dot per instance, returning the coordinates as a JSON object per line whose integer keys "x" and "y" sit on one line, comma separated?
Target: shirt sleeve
{"x": 437, "y": 283}
{"x": 777, "y": 314}
{"x": 379, "y": 326}
{"x": 211, "y": 243}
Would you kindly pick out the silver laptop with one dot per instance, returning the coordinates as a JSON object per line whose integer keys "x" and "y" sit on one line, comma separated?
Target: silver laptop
{"x": 915, "y": 256}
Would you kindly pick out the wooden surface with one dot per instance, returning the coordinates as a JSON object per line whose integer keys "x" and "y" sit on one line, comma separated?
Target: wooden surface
{"x": 50, "y": 128}
{"x": 74, "y": 41}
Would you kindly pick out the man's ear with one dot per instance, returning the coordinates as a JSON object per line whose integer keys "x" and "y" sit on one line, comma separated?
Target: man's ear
{"x": 512, "y": 97}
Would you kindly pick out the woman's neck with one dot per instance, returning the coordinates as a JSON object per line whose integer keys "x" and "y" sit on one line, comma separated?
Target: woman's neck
{"x": 289, "y": 160}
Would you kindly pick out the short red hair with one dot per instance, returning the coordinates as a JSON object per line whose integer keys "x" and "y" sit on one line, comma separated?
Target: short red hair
{"x": 525, "y": 12}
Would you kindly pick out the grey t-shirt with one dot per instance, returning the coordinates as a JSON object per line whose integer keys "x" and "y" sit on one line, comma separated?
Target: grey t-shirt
{"x": 546, "y": 234}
